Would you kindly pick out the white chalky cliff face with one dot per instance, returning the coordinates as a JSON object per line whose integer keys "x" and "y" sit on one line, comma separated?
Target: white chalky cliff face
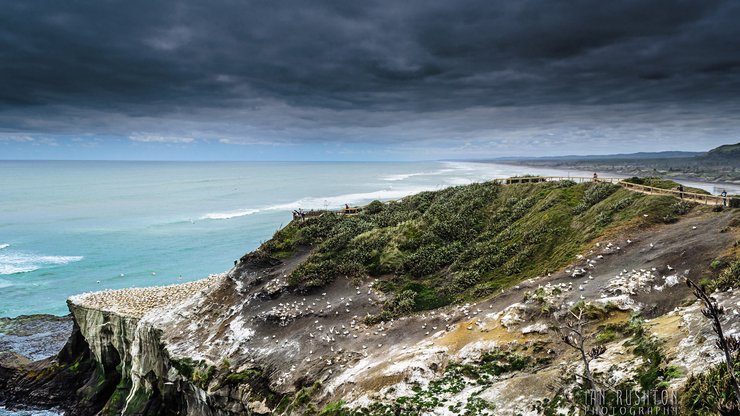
{"x": 123, "y": 331}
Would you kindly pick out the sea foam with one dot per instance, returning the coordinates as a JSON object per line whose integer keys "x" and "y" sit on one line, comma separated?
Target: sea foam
{"x": 230, "y": 214}
{"x": 338, "y": 201}
{"x": 18, "y": 262}
{"x": 4, "y": 245}
{"x": 329, "y": 202}
{"x": 403, "y": 176}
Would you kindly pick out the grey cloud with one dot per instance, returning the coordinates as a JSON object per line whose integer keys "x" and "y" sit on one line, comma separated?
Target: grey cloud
{"x": 359, "y": 71}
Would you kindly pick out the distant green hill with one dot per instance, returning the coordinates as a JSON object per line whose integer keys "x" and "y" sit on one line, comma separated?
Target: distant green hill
{"x": 728, "y": 151}
{"x": 717, "y": 165}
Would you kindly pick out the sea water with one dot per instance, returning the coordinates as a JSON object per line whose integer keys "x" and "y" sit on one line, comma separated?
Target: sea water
{"x": 72, "y": 227}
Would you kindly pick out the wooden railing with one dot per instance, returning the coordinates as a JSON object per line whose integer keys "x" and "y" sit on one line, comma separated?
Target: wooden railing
{"x": 691, "y": 196}
{"x": 536, "y": 179}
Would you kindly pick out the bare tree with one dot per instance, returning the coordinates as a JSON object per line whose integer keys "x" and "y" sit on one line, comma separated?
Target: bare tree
{"x": 572, "y": 334}
{"x": 728, "y": 345}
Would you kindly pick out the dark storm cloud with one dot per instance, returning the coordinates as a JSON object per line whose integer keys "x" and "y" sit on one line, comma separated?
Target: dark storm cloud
{"x": 277, "y": 71}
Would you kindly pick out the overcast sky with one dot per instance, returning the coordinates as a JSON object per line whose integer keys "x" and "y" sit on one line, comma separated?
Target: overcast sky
{"x": 365, "y": 80}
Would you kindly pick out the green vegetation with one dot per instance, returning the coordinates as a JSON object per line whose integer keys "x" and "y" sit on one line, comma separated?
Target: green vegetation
{"x": 593, "y": 311}
{"x": 728, "y": 278}
{"x": 201, "y": 377}
{"x": 241, "y": 377}
{"x": 627, "y": 328}
{"x": 198, "y": 372}
{"x": 464, "y": 242}
{"x": 605, "y": 336}
{"x": 117, "y": 400}
{"x": 593, "y": 195}
{"x": 258, "y": 382}
{"x": 652, "y": 374}
{"x": 184, "y": 366}
{"x": 705, "y": 393}
{"x": 334, "y": 409}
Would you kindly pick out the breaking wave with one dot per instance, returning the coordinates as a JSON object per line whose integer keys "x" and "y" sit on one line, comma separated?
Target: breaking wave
{"x": 403, "y": 176}
{"x": 330, "y": 202}
{"x": 230, "y": 214}
{"x": 18, "y": 262}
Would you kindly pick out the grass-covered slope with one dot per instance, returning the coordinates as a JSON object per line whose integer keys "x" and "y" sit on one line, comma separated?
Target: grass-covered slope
{"x": 433, "y": 248}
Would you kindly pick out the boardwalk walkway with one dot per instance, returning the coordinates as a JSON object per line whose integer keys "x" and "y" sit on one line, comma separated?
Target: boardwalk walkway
{"x": 644, "y": 189}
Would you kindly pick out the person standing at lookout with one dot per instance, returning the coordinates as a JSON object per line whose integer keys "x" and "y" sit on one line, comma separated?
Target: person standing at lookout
{"x": 724, "y": 198}
{"x": 596, "y": 177}
{"x": 680, "y": 191}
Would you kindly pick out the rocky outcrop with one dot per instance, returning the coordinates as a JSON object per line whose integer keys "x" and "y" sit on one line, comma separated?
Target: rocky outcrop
{"x": 71, "y": 380}
{"x": 34, "y": 336}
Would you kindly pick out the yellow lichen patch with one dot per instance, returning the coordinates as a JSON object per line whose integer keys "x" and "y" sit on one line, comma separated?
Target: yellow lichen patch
{"x": 668, "y": 328}
{"x": 614, "y": 318}
{"x": 377, "y": 383}
{"x": 461, "y": 336}
{"x": 617, "y": 317}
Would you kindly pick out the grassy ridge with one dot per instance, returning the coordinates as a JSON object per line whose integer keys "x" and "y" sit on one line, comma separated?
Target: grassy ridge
{"x": 464, "y": 242}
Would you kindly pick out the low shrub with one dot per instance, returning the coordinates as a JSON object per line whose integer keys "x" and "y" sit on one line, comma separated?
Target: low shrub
{"x": 727, "y": 279}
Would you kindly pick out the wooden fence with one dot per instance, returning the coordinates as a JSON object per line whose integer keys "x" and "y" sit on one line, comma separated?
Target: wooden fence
{"x": 690, "y": 196}
{"x": 536, "y": 179}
